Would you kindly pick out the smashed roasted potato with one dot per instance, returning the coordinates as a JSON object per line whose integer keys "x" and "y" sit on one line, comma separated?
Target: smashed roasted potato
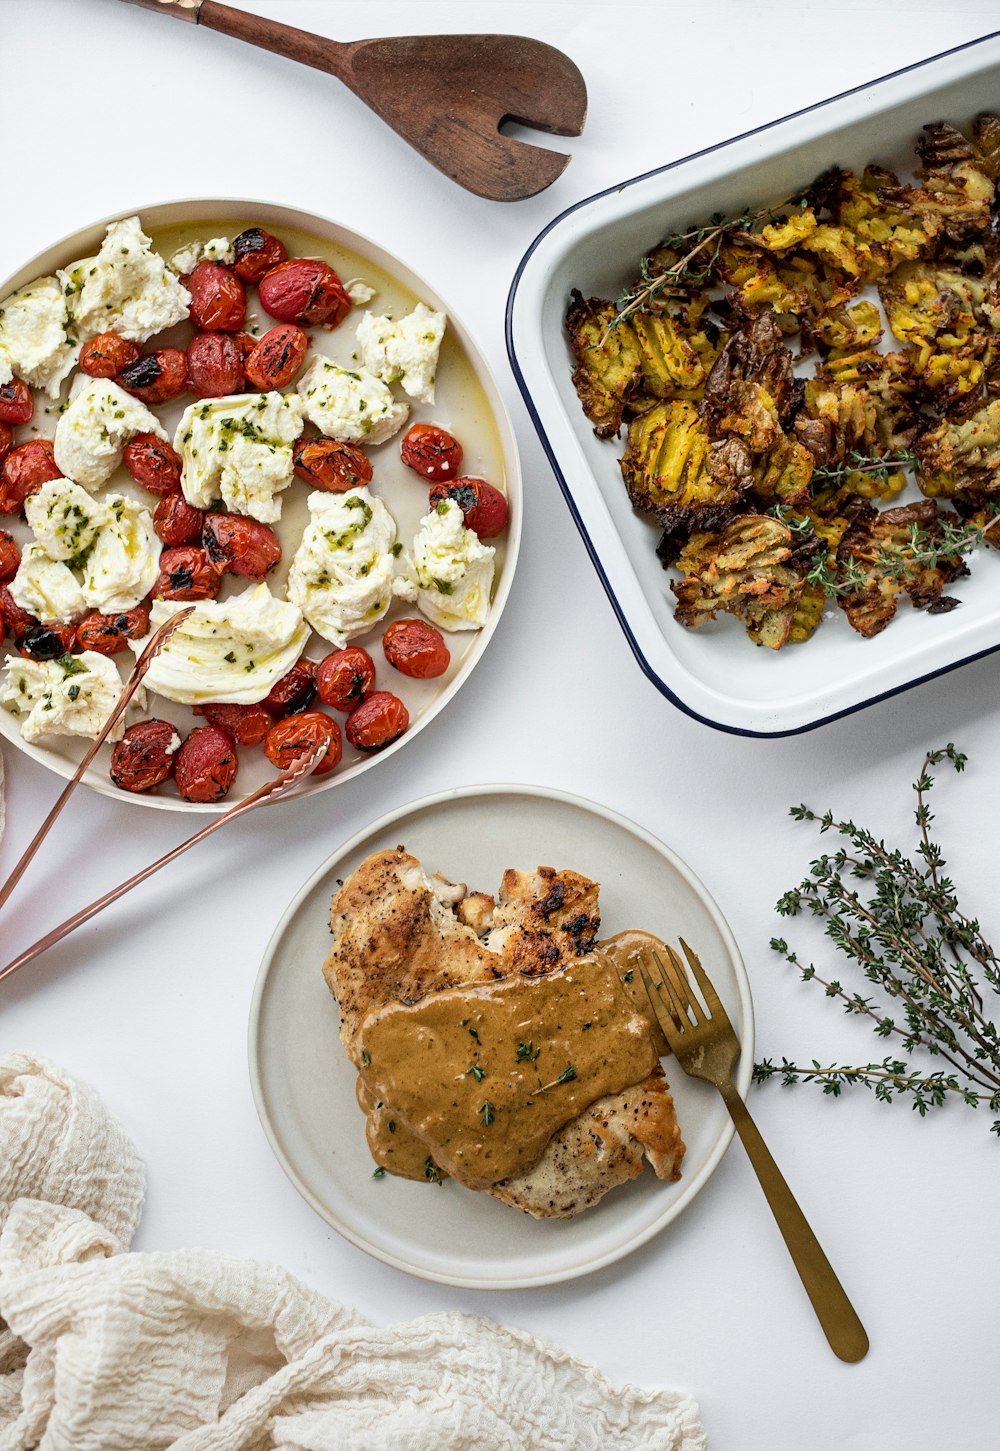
{"x": 765, "y": 472}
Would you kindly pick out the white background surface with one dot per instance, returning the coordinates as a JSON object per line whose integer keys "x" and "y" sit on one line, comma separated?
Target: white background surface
{"x": 104, "y": 109}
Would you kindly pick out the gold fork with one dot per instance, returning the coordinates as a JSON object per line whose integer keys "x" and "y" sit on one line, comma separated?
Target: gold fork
{"x": 706, "y": 1046}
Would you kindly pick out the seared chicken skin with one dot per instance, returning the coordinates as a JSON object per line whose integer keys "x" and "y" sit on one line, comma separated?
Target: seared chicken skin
{"x": 399, "y": 934}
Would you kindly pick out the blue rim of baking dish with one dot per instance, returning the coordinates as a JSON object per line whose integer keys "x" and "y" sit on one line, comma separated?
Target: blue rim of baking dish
{"x": 591, "y": 548}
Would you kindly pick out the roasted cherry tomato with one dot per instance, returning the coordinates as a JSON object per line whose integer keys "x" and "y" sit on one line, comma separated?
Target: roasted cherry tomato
{"x": 257, "y": 252}
{"x": 344, "y": 678}
{"x": 186, "y": 574}
{"x": 332, "y": 466}
{"x": 305, "y": 291}
{"x": 246, "y": 724}
{"x": 17, "y": 402}
{"x": 10, "y": 556}
{"x": 416, "y": 649}
{"x": 154, "y": 464}
{"x": 297, "y": 735}
{"x": 246, "y": 342}
{"x": 178, "y": 522}
{"x": 6, "y": 441}
{"x": 106, "y": 355}
{"x": 26, "y": 468}
{"x": 431, "y": 452}
{"x": 214, "y": 365}
{"x": 377, "y": 721}
{"x": 277, "y": 358}
{"x": 238, "y": 545}
{"x": 157, "y": 377}
{"x": 16, "y": 620}
{"x": 295, "y": 691}
{"x": 483, "y": 507}
{"x": 46, "y": 642}
{"x": 206, "y": 765}
{"x": 145, "y": 755}
{"x": 110, "y": 634}
{"x": 218, "y": 298}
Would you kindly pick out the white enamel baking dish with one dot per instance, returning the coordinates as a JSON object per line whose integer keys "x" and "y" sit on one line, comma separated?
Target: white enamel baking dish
{"x": 714, "y": 673}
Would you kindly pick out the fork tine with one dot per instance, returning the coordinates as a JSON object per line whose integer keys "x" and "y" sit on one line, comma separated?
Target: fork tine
{"x": 677, "y": 983}
{"x": 711, "y": 997}
{"x": 663, "y": 1017}
{"x": 678, "y": 1002}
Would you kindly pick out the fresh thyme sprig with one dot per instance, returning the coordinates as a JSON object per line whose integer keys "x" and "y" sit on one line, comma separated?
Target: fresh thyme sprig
{"x": 877, "y": 466}
{"x": 930, "y": 963}
{"x": 924, "y": 549}
{"x": 699, "y": 248}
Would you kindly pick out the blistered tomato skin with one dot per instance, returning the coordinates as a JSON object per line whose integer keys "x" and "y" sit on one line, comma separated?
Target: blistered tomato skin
{"x": 483, "y": 507}
{"x": 17, "y": 621}
{"x": 238, "y": 545}
{"x": 214, "y": 366}
{"x": 334, "y": 467}
{"x": 145, "y": 755}
{"x": 157, "y": 377}
{"x": 206, "y": 765}
{"x": 218, "y": 298}
{"x": 277, "y": 358}
{"x": 154, "y": 464}
{"x": 416, "y": 649}
{"x": 431, "y": 452}
{"x": 10, "y": 556}
{"x": 257, "y": 252}
{"x": 295, "y": 691}
{"x": 26, "y": 468}
{"x": 17, "y": 403}
{"x": 297, "y": 735}
{"x": 186, "y": 573}
{"x": 377, "y": 721}
{"x": 306, "y": 291}
{"x": 178, "y": 522}
{"x": 6, "y": 441}
{"x": 345, "y": 677}
{"x": 46, "y": 642}
{"x": 110, "y": 634}
{"x": 247, "y": 725}
{"x": 106, "y": 355}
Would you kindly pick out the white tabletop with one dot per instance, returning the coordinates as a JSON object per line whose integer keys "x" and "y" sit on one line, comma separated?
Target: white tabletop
{"x": 105, "y": 109}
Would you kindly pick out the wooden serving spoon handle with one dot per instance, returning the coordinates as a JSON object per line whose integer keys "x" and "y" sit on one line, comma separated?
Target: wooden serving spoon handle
{"x": 447, "y": 95}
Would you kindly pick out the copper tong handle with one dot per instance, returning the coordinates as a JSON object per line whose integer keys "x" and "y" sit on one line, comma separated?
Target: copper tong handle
{"x": 274, "y": 788}
{"x": 149, "y": 654}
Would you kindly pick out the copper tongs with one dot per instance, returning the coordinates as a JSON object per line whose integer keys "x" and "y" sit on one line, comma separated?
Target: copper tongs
{"x": 269, "y": 791}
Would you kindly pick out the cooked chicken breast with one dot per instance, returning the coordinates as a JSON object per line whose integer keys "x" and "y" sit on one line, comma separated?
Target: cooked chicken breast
{"x": 399, "y": 934}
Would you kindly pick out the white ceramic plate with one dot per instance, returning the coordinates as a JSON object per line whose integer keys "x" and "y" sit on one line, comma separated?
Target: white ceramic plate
{"x": 468, "y": 403}
{"x": 303, "y": 1083}
{"x": 714, "y": 673}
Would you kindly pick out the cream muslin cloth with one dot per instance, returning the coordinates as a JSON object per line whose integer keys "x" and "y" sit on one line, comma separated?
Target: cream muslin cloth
{"x": 105, "y": 1350}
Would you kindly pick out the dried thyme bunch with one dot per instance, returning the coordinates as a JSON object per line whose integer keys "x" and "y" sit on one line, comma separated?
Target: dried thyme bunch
{"x": 931, "y": 966}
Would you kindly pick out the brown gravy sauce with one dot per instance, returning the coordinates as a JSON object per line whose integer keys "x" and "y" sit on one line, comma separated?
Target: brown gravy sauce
{"x": 474, "y": 1081}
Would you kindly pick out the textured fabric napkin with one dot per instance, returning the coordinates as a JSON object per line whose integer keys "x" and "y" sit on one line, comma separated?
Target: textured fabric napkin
{"x": 105, "y": 1350}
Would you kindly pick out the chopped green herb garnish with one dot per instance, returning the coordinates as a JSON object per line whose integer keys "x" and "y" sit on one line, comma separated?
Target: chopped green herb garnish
{"x": 487, "y": 1113}
{"x": 526, "y": 1053}
{"x": 476, "y": 1072}
{"x": 379, "y": 1174}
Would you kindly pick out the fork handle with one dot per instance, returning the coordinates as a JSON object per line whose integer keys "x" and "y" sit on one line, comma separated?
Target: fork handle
{"x": 834, "y": 1310}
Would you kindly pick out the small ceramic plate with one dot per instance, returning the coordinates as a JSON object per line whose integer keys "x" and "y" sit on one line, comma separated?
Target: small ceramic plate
{"x": 303, "y": 1083}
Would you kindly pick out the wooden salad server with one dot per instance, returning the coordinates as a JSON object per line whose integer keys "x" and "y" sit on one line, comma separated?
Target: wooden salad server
{"x": 447, "y": 95}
